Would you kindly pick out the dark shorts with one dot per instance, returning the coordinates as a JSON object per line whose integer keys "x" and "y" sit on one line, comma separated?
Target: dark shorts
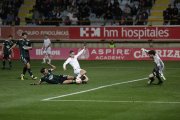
{"x": 25, "y": 60}
{"x": 156, "y": 71}
{"x": 7, "y": 56}
{"x": 63, "y": 78}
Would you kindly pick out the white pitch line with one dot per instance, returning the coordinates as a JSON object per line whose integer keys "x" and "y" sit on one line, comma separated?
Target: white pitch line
{"x": 167, "y": 68}
{"x": 109, "y": 101}
{"x": 93, "y": 89}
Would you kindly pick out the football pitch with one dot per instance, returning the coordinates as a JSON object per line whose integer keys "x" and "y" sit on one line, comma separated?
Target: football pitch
{"x": 117, "y": 90}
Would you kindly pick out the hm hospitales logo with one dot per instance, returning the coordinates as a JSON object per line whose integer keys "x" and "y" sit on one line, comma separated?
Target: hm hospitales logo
{"x": 90, "y": 32}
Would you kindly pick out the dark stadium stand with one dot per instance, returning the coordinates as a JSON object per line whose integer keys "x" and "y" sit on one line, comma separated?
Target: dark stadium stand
{"x": 88, "y": 12}
{"x": 9, "y": 11}
{"x": 171, "y": 14}
{"x": 91, "y": 12}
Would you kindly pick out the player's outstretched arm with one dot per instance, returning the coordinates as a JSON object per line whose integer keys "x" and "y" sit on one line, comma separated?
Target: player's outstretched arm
{"x": 80, "y": 52}
{"x": 27, "y": 47}
{"x": 38, "y": 83}
{"x": 144, "y": 50}
{"x": 65, "y": 63}
{"x": 14, "y": 45}
{"x": 43, "y": 47}
{"x": 53, "y": 67}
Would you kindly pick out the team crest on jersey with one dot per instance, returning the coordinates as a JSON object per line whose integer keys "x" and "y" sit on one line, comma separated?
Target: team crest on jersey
{"x": 50, "y": 77}
{"x": 8, "y": 46}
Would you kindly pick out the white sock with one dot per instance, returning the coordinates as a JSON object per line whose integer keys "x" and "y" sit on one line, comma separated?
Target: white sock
{"x": 163, "y": 76}
{"x": 44, "y": 60}
{"x": 49, "y": 60}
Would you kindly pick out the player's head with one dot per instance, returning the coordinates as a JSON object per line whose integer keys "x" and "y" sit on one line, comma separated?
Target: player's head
{"x": 152, "y": 53}
{"x": 71, "y": 53}
{"x": 44, "y": 71}
{"x": 10, "y": 37}
{"x": 24, "y": 35}
{"x": 45, "y": 36}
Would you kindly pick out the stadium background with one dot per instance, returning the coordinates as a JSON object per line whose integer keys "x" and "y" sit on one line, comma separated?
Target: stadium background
{"x": 70, "y": 23}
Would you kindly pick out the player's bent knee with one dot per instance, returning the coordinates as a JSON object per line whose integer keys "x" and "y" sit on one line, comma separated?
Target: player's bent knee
{"x": 28, "y": 65}
{"x": 151, "y": 76}
{"x": 70, "y": 77}
{"x": 82, "y": 72}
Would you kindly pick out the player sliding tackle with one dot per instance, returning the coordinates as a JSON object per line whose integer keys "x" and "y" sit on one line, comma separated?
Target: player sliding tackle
{"x": 73, "y": 61}
{"x": 159, "y": 67}
{"x": 49, "y": 77}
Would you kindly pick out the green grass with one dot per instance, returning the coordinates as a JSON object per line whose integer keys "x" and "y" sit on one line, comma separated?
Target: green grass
{"x": 21, "y": 101}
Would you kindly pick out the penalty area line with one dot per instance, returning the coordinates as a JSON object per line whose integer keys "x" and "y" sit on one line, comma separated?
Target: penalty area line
{"x": 111, "y": 101}
{"x": 93, "y": 89}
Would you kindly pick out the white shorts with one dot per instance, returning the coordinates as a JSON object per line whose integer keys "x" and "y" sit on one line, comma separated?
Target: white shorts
{"x": 77, "y": 71}
{"x": 47, "y": 51}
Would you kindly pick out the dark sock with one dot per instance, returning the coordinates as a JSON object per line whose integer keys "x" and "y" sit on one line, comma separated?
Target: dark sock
{"x": 24, "y": 70}
{"x": 159, "y": 78}
{"x": 4, "y": 63}
{"x": 152, "y": 80}
{"x": 29, "y": 71}
{"x": 10, "y": 64}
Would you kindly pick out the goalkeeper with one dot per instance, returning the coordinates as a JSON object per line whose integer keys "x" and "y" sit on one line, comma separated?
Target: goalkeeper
{"x": 158, "y": 69}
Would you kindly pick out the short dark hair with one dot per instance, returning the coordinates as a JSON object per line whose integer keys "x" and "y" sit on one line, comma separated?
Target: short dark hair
{"x": 24, "y": 33}
{"x": 152, "y": 52}
{"x": 71, "y": 51}
{"x": 42, "y": 70}
{"x": 10, "y": 36}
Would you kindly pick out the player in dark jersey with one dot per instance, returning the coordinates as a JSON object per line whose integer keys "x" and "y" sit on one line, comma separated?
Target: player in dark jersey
{"x": 6, "y": 51}
{"x": 24, "y": 47}
{"x": 49, "y": 77}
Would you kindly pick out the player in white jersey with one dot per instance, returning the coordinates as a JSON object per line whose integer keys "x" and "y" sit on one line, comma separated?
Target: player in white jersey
{"x": 46, "y": 49}
{"x": 159, "y": 67}
{"x": 73, "y": 61}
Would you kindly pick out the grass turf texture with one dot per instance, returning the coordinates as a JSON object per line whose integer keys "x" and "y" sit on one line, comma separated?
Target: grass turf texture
{"x": 21, "y": 101}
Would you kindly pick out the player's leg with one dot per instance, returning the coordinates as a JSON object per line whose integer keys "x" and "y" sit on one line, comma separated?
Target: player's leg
{"x": 158, "y": 76}
{"x": 83, "y": 77}
{"x": 29, "y": 69}
{"x": 71, "y": 77}
{"x": 49, "y": 58}
{"x": 80, "y": 72}
{"x": 67, "y": 82}
{"x": 71, "y": 82}
{"x": 49, "y": 55}
{"x": 66, "y": 79}
{"x": 151, "y": 79}
{"x": 23, "y": 72}
{"x": 161, "y": 69}
{"x": 4, "y": 62}
{"x": 24, "y": 68}
{"x": 74, "y": 79}
{"x": 45, "y": 56}
{"x": 10, "y": 63}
